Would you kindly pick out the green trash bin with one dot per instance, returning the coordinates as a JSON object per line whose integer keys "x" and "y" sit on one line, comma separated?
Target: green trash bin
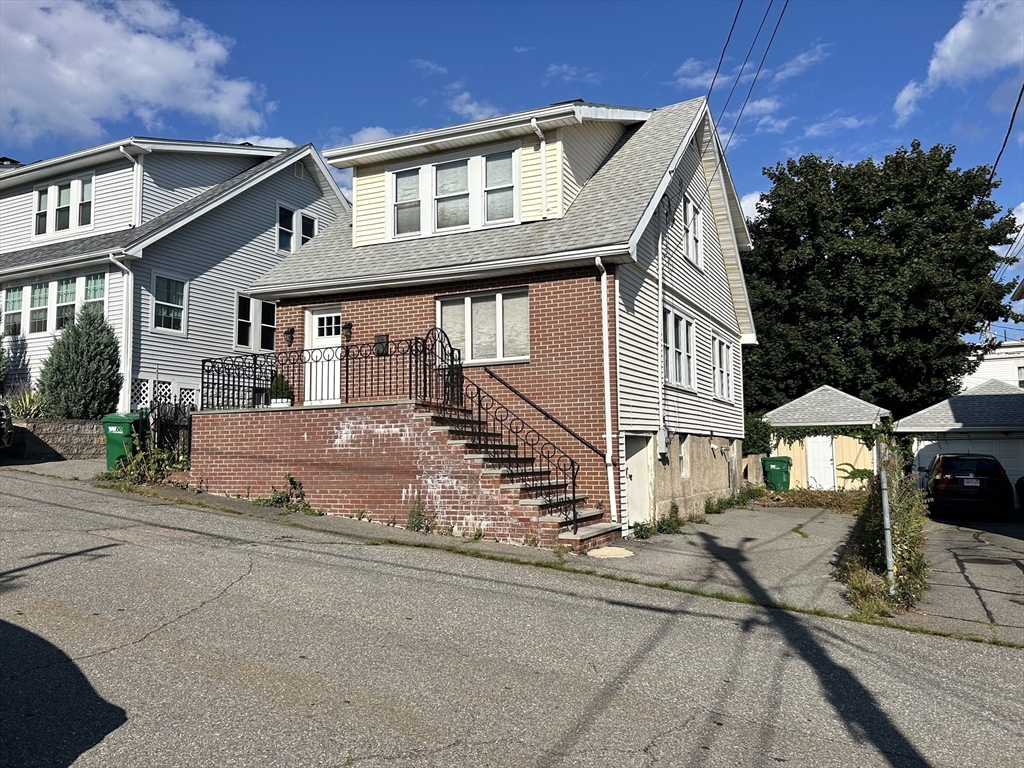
{"x": 121, "y": 430}
{"x": 776, "y": 472}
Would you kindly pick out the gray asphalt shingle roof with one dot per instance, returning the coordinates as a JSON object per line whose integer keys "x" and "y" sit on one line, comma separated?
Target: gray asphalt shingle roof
{"x": 606, "y": 212}
{"x": 992, "y": 406}
{"x": 825, "y": 406}
{"x": 40, "y": 256}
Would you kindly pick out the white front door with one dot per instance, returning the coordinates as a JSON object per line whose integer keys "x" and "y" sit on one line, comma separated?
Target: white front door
{"x": 821, "y": 463}
{"x": 322, "y": 370}
{"x": 638, "y": 479}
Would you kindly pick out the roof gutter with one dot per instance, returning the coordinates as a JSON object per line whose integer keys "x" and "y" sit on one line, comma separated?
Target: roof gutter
{"x": 617, "y": 253}
{"x": 52, "y": 266}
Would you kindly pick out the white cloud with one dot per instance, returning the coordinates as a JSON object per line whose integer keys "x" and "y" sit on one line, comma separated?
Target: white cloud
{"x": 801, "y": 63}
{"x": 521, "y": 49}
{"x": 420, "y": 101}
{"x": 569, "y": 73}
{"x": 694, "y": 74}
{"x": 463, "y": 105}
{"x": 760, "y": 107}
{"x": 770, "y": 124}
{"x": 428, "y": 67}
{"x": 748, "y": 203}
{"x": 835, "y": 122}
{"x": 985, "y": 40}
{"x": 66, "y": 68}
{"x": 370, "y": 133}
{"x": 259, "y": 141}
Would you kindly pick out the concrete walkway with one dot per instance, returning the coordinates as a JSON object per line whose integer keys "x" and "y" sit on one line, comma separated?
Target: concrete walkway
{"x": 71, "y": 469}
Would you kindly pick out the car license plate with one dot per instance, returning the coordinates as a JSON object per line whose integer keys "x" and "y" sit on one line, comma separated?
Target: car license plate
{"x": 971, "y": 481}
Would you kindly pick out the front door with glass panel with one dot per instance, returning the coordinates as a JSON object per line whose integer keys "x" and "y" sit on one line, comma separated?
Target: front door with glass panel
{"x": 322, "y": 374}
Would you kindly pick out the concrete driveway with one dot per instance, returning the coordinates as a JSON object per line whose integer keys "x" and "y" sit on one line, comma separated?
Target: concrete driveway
{"x": 775, "y": 555}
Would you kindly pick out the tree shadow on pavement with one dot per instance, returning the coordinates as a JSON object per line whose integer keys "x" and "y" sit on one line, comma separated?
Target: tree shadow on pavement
{"x": 851, "y": 700}
{"x": 51, "y": 713}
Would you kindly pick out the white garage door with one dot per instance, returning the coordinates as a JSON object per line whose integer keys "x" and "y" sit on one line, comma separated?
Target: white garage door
{"x": 1009, "y": 451}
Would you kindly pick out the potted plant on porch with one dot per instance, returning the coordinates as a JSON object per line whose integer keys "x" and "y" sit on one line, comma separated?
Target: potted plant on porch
{"x": 280, "y": 392}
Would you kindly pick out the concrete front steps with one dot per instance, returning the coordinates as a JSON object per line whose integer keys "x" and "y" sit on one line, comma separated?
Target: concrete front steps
{"x": 533, "y": 495}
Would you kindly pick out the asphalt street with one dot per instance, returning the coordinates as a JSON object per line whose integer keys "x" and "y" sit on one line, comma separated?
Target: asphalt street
{"x": 139, "y": 632}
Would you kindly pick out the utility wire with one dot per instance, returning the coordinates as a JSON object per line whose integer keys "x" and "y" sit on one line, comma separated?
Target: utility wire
{"x": 746, "y": 58}
{"x": 1006, "y": 138}
{"x": 724, "y": 49}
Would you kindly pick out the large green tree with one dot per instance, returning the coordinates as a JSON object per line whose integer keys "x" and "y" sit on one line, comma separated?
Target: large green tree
{"x": 866, "y": 276}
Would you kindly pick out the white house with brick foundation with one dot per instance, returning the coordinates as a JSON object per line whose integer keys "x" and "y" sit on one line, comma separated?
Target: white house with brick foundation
{"x": 583, "y": 263}
{"x": 163, "y": 235}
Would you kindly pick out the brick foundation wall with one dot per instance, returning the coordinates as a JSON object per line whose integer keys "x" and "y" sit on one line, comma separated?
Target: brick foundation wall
{"x": 377, "y": 459}
{"x": 565, "y": 372}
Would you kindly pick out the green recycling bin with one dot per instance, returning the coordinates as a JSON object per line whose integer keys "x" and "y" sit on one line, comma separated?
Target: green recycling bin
{"x": 121, "y": 430}
{"x": 776, "y": 472}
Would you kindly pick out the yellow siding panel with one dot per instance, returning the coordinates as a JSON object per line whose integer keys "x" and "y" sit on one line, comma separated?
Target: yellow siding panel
{"x": 369, "y": 205}
{"x": 849, "y": 450}
{"x": 798, "y": 453}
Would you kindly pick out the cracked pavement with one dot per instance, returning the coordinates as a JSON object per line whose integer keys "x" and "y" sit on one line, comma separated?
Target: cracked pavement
{"x": 139, "y": 632}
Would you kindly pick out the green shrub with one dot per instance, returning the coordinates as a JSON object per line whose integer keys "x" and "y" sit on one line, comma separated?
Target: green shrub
{"x": 907, "y": 513}
{"x": 280, "y": 389}
{"x": 642, "y": 530}
{"x": 26, "y": 405}
{"x": 148, "y": 464}
{"x": 671, "y": 523}
{"x": 81, "y": 378}
{"x": 758, "y": 437}
{"x": 419, "y": 520}
{"x": 290, "y": 499}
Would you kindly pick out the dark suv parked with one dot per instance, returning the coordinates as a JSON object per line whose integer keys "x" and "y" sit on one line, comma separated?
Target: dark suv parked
{"x": 975, "y": 484}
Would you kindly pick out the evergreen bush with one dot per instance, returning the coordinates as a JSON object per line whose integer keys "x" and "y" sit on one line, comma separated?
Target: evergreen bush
{"x": 81, "y": 379}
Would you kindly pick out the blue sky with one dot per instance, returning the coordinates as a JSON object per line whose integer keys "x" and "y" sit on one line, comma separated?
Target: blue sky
{"x": 846, "y": 79}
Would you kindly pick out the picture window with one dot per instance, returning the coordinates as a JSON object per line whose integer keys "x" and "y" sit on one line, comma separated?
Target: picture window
{"x": 492, "y": 326}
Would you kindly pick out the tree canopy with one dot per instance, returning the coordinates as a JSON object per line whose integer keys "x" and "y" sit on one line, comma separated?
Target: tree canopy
{"x": 865, "y": 277}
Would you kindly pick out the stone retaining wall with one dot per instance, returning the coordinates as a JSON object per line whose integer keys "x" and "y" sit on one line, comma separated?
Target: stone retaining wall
{"x": 55, "y": 439}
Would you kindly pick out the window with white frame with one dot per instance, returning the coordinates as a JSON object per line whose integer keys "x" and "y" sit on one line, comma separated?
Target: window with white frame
{"x": 255, "y": 322}
{"x": 1020, "y": 376}
{"x": 95, "y": 290}
{"x": 65, "y": 302}
{"x": 488, "y": 326}
{"x": 456, "y": 191}
{"x": 721, "y": 354}
{"x": 64, "y": 206}
{"x": 38, "y": 304}
{"x": 693, "y": 223}
{"x": 294, "y": 228}
{"x": 13, "y": 302}
{"x": 677, "y": 346}
{"x": 169, "y": 296}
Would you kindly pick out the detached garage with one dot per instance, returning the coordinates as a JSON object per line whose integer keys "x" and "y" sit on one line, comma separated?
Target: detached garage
{"x": 819, "y": 459}
{"x": 988, "y": 418}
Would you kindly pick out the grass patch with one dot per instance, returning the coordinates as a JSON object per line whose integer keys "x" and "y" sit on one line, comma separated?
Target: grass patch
{"x": 800, "y": 530}
{"x": 863, "y": 568}
{"x": 289, "y": 500}
{"x": 844, "y": 502}
{"x": 737, "y": 500}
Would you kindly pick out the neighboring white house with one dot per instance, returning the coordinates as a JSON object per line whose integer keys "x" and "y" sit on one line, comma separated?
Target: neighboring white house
{"x": 988, "y": 419}
{"x": 163, "y": 235}
{"x": 1005, "y": 363}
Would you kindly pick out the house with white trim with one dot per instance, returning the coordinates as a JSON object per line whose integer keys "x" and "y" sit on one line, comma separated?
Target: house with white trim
{"x": 165, "y": 236}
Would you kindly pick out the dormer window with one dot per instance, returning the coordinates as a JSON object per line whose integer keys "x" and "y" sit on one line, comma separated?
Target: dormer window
{"x": 289, "y": 222}
{"x": 63, "y": 207}
{"x": 454, "y": 192}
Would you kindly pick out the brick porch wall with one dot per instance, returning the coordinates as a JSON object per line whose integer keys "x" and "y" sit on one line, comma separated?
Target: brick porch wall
{"x": 374, "y": 458}
{"x": 565, "y": 372}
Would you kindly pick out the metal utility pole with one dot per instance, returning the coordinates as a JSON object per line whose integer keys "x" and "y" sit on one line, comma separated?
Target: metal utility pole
{"x": 890, "y": 575}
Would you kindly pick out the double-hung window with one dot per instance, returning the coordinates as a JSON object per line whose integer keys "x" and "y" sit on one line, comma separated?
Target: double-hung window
{"x": 455, "y": 192}
{"x": 290, "y": 223}
{"x": 255, "y": 323}
{"x": 64, "y": 207}
{"x": 13, "y": 298}
{"x": 488, "y": 326}
{"x": 721, "y": 354}
{"x": 677, "y": 347}
{"x": 38, "y": 307}
{"x": 65, "y": 302}
{"x": 169, "y": 296}
{"x": 95, "y": 290}
{"x": 693, "y": 223}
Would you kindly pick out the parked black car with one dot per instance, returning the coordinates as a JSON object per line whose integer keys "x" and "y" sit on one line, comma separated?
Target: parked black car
{"x": 6, "y": 426}
{"x": 975, "y": 484}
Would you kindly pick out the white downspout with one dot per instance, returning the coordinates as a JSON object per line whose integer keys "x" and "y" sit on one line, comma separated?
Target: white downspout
{"x": 127, "y": 333}
{"x": 661, "y": 320}
{"x": 543, "y": 168}
{"x": 606, "y": 343}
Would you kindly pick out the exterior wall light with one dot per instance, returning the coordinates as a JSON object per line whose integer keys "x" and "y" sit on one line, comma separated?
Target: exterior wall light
{"x": 289, "y": 336}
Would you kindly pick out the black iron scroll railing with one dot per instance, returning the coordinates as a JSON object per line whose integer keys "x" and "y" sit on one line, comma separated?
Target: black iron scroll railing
{"x": 545, "y": 471}
{"x": 425, "y": 368}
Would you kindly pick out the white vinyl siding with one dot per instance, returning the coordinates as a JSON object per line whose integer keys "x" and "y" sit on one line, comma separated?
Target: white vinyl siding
{"x": 701, "y": 295}
{"x": 172, "y": 178}
{"x": 584, "y": 148}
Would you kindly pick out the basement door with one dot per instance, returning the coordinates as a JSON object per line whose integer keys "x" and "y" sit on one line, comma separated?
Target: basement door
{"x": 322, "y": 369}
{"x": 638, "y": 479}
{"x": 821, "y": 463}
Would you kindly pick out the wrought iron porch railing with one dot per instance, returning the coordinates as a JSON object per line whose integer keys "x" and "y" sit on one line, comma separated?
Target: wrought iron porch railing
{"x": 425, "y": 368}
{"x": 524, "y": 454}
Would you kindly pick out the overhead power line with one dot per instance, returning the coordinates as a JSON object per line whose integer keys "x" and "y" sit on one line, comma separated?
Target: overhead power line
{"x": 724, "y": 49}
{"x": 746, "y": 58}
